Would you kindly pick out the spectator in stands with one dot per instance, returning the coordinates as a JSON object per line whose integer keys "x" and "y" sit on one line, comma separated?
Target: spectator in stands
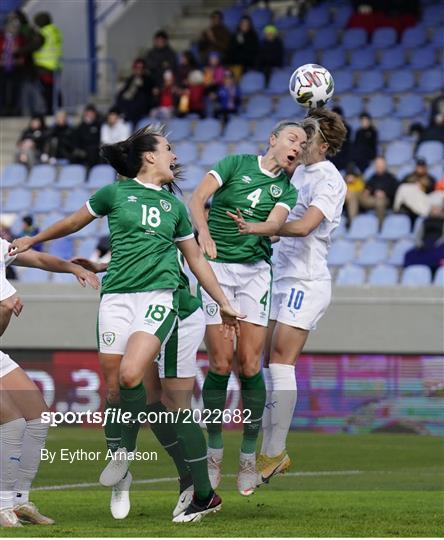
{"x": 411, "y": 199}
{"x": 429, "y": 248}
{"x": 187, "y": 64}
{"x": 60, "y": 142}
{"x": 161, "y": 57}
{"x": 32, "y": 142}
{"x": 365, "y": 145}
{"x": 435, "y": 132}
{"x": 421, "y": 175}
{"x": 29, "y": 229}
{"x": 168, "y": 97}
{"x": 135, "y": 99}
{"x": 341, "y": 159}
{"x": 355, "y": 186}
{"x": 228, "y": 98}
{"x": 214, "y": 73}
{"x": 379, "y": 190}
{"x": 192, "y": 98}
{"x": 87, "y": 138}
{"x": 244, "y": 46}
{"x": 437, "y": 106}
{"x": 271, "y": 51}
{"x": 47, "y": 57}
{"x": 114, "y": 129}
{"x": 216, "y": 37}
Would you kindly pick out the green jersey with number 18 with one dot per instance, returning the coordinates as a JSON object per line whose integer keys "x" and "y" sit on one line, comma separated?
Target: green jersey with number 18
{"x": 144, "y": 221}
{"x": 246, "y": 185}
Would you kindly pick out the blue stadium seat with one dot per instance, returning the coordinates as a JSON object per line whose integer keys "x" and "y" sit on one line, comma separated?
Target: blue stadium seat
{"x": 370, "y": 81}
{"x": 236, "y": 130}
{"x": 344, "y": 81}
{"x": 317, "y": 17}
{"x": 405, "y": 169}
{"x": 17, "y": 200}
{"x": 390, "y": 129}
{"x": 77, "y": 198}
{"x": 351, "y": 105}
{"x": 439, "y": 277}
{"x": 437, "y": 170}
{"x": 341, "y": 252}
{"x": 380, "y": 105}
{"x": 409, "y": 105}
{"x": 252, "y": 82}
{"x": 333, "y": 59}
{"x": 351, "y": 275}
{"x": 186, "y": 152}
{"x": 13, "y": 175}
{"x": 399, "y": 250}
{"x": 286, "y": 108}
{"x": 433, "y": 15}
{"x": 64, "y": 278}
{"x": 372, "y": 252}
{"x": 400, "y": 80}
{"x": 431, "y": 151}
{"x": 384, "y": 37}
{"x": 261, "y": 17}
{"x": 395, "y": 227}
{"x": 50, "y": 219}
{"x": 383, "y": 275}
{"x": 232, "y": 15}
{"x": 34, "y": 275}
{"x": 278, "y": 82}
{"x": 304, "y": 56}
{"x": 414, "y": 37}
{"x": 362, "y": 58}
{"x": 325, "y": 39}
{"x": 207, "y": 129}
{"x": 392, "y": 58}
{"x": 258, "y": 107}
{"x": 41, "y": 176}
{"x": 85, "y": 247}
{"x": 417, "y": 275}
{"x": 354, "y": 38}
{"x": 287, "y": 22}
{"x": 212, "y": 153}
{"x": 422, "y": 58}
{"x": 71, "y": 176}
{"x": 363, "y": 226}
{"x": 438, "y": 38}
{"x": 192, "y": 177}
{"x": 245, "y": 147}
{"x": 47, "y": 200}
{"x": 179, "y": 129}
{"x": 398, "y": 152}
{"x": 100, "y": 175}
{"x": 62, "y": 247}
{"x": 342, "y": 15}
{"x": 431, "y": 80}
{"x": 264, "y": 127}
{"x": 296, "y": 39}
{"x": 143, "y": 122}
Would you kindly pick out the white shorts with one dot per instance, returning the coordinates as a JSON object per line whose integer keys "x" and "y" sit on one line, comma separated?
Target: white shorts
{"x": 122, "y": 314}
{"x": 177, "y": 356}
{"x": 247, "y": 287}
{"x": 300, "y": 303}
{"x": 7, "y": 364}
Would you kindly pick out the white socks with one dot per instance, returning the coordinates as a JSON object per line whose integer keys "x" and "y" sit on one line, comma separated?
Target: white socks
{"x": 33, "y": 441}
{"x": 11, "y": 438}
{"x": 266, "y": 417}
{"x": 283, "y": 401}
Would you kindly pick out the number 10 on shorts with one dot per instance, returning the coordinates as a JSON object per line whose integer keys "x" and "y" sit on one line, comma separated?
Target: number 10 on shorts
{"x": 295, "y": 300}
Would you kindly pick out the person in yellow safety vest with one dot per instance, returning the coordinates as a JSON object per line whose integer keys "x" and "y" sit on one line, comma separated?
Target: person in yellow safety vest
{"x": 47, "y": 58}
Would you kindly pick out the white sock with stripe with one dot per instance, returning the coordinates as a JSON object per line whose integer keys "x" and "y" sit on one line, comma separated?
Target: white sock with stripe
{"x": 11, "y": 438}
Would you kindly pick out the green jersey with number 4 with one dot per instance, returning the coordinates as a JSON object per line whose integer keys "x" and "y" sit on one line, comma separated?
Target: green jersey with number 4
{"x": 144, "y": 221}
{"x": 244, "y": 184}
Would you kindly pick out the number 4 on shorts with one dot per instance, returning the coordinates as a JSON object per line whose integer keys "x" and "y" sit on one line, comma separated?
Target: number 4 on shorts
{"x": 264, "y": 300}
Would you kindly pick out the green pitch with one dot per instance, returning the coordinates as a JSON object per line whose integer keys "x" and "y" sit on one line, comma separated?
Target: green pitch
{"x": 340, "y": 485}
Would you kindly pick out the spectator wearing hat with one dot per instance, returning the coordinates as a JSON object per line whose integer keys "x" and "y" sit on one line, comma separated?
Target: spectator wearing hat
{"x": 365, "y": 145}
{"x": 161, "y": 57}
{"x": 271, "y": 51}
{"x": 421, "y": 175}
{"x": 216, "y": 37}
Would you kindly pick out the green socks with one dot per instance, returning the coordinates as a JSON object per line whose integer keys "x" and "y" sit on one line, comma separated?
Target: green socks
{"x": 253, "y": 399}
{"x": 132, "y": 400}
{"x": 113, "y": 430}
{"x": 214, "y": 395}
{"x": 194, "y": 447}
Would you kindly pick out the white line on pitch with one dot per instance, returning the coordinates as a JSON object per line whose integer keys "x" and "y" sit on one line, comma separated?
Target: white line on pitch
{"x": 174, "y": 479}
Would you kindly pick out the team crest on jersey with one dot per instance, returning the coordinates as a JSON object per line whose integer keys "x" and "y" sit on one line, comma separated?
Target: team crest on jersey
{"x": 165, "y": 205}
{"x": 211, "y": 309}
{"x": 246, "y": 179}
{"x": 275, "y": 190}
{"x": 108, "y": 338}
{"x": 132, "y": 198}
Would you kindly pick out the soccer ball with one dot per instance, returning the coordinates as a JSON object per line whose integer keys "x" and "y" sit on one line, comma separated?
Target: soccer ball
{"x": 311, "y": 86}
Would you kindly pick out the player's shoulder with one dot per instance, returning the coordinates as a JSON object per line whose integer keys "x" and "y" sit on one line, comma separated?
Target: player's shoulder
{"x": 326, "y": 171}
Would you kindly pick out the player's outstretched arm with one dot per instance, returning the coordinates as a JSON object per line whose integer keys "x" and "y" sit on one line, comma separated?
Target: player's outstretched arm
{"x": 274, "y": 222}
{"x": 64, "y": 227}
{"x": 92, "y": 266}
{"x": 50, "y": 263}
{"x": 304, "y": 226}
{"x": 206, "y": 189}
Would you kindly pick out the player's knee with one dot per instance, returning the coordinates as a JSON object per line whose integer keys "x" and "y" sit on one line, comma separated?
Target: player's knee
{"x": 129, "y": 379}
{"x": 221, "y": 368}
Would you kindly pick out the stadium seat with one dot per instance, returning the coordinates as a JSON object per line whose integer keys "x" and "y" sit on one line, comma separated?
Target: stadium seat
{"x": 341, "y": 252}
{"x": 437, "y": 170}
{"x": 13, "y": 175}
{"x": 395, "y": 227}
{"x": 75, "y": 200}
{"x": 392, "y": 58}
{"x": 286, "y": 108}
{"x": 325, "y": 39}
{"x": 389, "y": 129}
{"x": 362, "y": 58}
{"x": 344, "y": 81}
{"x": 383, "y": 275}
{"x": 232, "y": 15}
{"x": 278, "y": 82}
{"x": 439, "y": 277}
{"x": 263, "y": 128}
{"x": 400, "y": 80}
{"x": 261, "y": 17}
{"x": 34, "y": 275}
{"x": 354, "y": 38}
{"x": 71, "y": 176}
{"x": 100, "y": 175}
{"x": 431, "y": 80}
{"x": 287, "y": 22}
{"x": 438, "y": 38}
{"x": 85, "y": 247}
{"x": 370, "y": 81}
{"x": 142, "y": 123}
{"x": 192, "y": 177}
{"x": 212, "y": 153}
{"x": 431, "y": 151}
{"x": 62, "y": 247}
{"x": 351, "y": 105}
{"x": 422, "y": 58}
{"x": 399, "y": 250}
{"x": 296, "y": 39}
{"x": 17, "y": 200}
{"x": 304, "y": 56}
{"x": 372, "y": 252}
{"x": 384, "y": 37}
{"x": 363, "y": 226}
{"x": 186, "y": 152}
{"x": 417, "y": 275}
{"x": 236, "y": 130}
{"x": 245, "y": 147}
{"x": 433, "y": 15}
{"x": 398, "y": 152}
{"x": 414, "y": 37}
{"x": 41, "y": 176}
{"x": 317, "y": 17}
{"x": 64, "y": 278}
{"x": 340, "y": 231}
{"x": 351, "y": 275}
{"x": 47, "y": 200}
{"x": 206, "y": 130}
{"x": 258, "y": 107}
{"x": 252, "y": 82}
{"x": 179, "y": 129}
{"x": 380, "y": 105}
{"x": 409, "y": 105}
{"x": 341, "y": 15}
{"x": 333, "y": 59}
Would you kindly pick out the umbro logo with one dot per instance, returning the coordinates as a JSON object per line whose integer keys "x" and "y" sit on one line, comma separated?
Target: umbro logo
{"x": 132, "y": 198}
{"x": 246, "y": 179}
